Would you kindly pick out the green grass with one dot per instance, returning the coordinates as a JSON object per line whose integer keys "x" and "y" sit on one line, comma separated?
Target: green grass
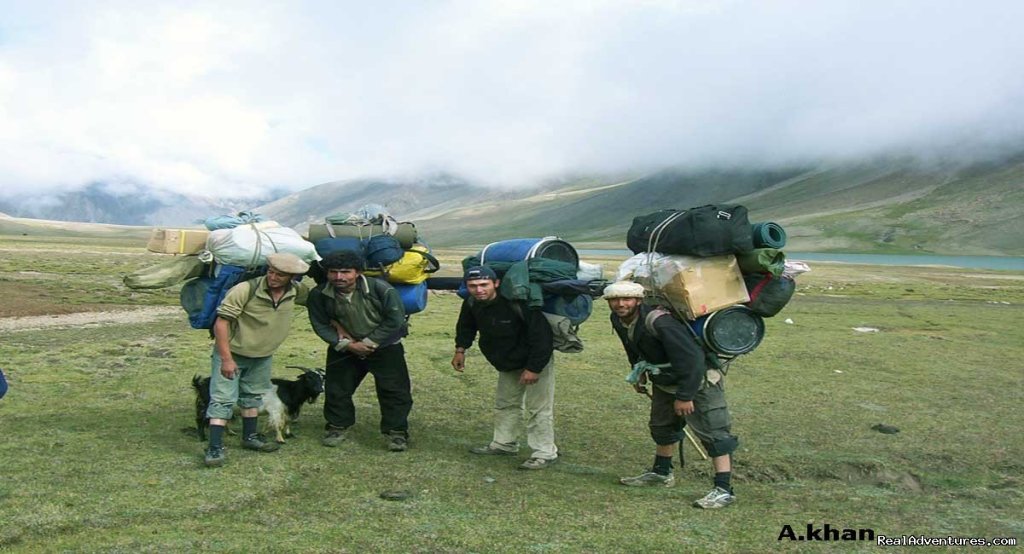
{"x": 97, "y": 456}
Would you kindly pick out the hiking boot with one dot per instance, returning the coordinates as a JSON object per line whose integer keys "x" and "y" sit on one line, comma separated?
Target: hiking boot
{"x": 717, "y": 498}
{"x": 398, "y": 441}
{"x": 259, "y": 443}
{"x": 214, "y": 456}
{"x": 333, "y": 437}
{"x": 538, "y": 463}
{"x": 649, "y": 479}
{"x": 488, "y": 451}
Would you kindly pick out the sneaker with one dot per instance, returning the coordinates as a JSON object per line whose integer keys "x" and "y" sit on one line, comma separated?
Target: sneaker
{"x": 649, "y": 479}
{"x": 538, "y": 463}
{"x": 333, "y": 437}
{"x": 214, "y": 456}
{"x": 488, "y": 451}
{"x": 717, "y": 498}
{"x": 259, "y": 443}
{"x": 398, "y": 442}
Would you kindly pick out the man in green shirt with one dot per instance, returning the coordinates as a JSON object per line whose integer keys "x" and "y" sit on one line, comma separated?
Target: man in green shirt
{"x": 252, "y": 322}
{"x": 362, "y": 321}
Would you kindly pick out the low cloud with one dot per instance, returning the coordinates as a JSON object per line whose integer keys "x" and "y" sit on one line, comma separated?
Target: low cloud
{"x": 233, "y": 100}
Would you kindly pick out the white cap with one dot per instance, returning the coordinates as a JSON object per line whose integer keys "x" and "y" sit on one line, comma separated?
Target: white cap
{"x": 624, "y": 289}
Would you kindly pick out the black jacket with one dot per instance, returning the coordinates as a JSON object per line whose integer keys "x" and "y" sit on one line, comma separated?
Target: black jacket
{"x": 674, "y": 344}
{"x": 510, "y": 340}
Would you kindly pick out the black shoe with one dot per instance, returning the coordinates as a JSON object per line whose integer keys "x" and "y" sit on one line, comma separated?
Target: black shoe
{"x": 214, "y": 456}
{"x": 259, "y": 443}
{"x": 398, "y": 441}
{"x": 333, "y": 437}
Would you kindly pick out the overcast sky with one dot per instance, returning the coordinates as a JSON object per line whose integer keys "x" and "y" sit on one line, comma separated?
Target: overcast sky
{"x": 235, "y": 98}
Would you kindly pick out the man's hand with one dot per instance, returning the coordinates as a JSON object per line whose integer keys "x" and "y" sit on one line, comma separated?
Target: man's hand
{"x": 459, "y": 361}
{"x": 528, "y": 377}
{"x": 360, "y": 349}
{"x": 342, "y": 333}
{"x": 683, "y": 407}
{"x": 228, "y": 368}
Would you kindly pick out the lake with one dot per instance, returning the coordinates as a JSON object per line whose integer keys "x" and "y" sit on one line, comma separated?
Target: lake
{"x": 973, "y": 262}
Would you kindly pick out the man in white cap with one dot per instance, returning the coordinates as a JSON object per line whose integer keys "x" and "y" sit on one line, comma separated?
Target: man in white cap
{"x": 252, "y": 321}
{"x": 664, "y": 352}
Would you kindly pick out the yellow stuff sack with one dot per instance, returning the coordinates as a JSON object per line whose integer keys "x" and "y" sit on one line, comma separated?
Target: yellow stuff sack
{"x": 415, "y": 266}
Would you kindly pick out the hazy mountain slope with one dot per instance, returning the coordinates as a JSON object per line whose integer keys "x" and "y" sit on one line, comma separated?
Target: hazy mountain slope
{"x": 407, "y": 200}
{"x": 600, "y": 213}
{"x": 970, "y": 211}
{"x": 123, "y": 205}
{"x": 47, "y": 228}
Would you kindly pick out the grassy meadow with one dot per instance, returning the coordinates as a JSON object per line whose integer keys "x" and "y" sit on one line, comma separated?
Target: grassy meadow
{"x": 98, "y": 454}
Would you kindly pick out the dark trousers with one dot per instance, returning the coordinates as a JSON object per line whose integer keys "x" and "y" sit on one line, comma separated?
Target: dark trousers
{"x": 346, "y": 371}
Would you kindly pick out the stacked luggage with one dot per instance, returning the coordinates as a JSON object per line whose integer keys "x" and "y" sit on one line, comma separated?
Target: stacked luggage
{"x": 714, "y": 271}
{"x": 393, "y": 250}
{"x": 544, "y": 273}
{"x": 235, "y": 249}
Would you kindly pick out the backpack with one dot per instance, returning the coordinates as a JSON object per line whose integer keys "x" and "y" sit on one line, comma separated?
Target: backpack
{"x": 416, "y": 265}
{"x": 768, "y": 293}
{"x": 200, "y": 297}
{"x": 704, "y": 231}
{"x": 382, "y": 251}
{"x": 564, "y": 331}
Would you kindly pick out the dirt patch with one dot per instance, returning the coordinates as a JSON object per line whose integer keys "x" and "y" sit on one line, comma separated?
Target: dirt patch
{"x": 88, "y": 319}
{"x": 873, "y": 474}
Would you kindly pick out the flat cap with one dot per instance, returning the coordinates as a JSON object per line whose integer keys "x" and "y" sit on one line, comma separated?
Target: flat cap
{"x": 286, "y": 262}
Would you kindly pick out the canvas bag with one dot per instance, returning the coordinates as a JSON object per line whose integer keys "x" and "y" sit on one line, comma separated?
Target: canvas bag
{"x": 768, "y": 293}
{"x": 703, "y": 231}
{"x": 416, "y": 265}
{"x": 171, "y": 272}
{"x": 382, "y": 251}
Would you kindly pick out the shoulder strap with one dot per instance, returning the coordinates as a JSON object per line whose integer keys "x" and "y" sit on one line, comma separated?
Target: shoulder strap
{"x": 652, "y": 315}
{"x": 518, "y": 309}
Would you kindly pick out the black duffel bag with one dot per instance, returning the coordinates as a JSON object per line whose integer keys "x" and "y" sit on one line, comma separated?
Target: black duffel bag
{"x": 704, "y": 231}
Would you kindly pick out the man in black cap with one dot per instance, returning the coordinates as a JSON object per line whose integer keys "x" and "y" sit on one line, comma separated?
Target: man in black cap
{"x": 362, "y": 321}
{"x": 252, "y": 321}
{"x": 518, "y": 343}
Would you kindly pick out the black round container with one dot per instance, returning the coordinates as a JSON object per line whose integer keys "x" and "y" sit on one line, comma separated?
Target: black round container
{"x": 731, "y": 331}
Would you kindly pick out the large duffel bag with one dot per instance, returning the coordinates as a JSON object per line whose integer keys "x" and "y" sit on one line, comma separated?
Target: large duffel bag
{"x": 249, "y": 245}
{"x": 704, "y": 231}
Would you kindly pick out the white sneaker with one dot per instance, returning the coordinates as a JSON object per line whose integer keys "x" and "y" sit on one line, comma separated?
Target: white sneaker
{"x": 717, "y": 498}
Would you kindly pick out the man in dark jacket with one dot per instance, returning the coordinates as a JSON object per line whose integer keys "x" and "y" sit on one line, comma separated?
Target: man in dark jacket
{"x": 518, "y": 343}
{"x": 362, "y": 321}
{"x": 685, "y": 391}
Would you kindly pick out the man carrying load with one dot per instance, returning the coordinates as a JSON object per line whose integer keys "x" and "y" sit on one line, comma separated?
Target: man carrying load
{"x": 518, "y": 342}
{"x": 252, "y": 321}
{"x": 664, "y": 352}
{"x": 362, "y": 321}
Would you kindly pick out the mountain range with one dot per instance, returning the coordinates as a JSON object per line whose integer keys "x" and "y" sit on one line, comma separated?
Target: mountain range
{"x": 880, "y": 206}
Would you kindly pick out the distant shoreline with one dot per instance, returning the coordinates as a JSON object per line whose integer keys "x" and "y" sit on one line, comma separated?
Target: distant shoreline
{"x": 1010, "y": 263}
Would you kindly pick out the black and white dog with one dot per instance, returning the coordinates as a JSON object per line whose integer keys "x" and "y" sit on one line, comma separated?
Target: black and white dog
{"x": 281, "y": 404}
